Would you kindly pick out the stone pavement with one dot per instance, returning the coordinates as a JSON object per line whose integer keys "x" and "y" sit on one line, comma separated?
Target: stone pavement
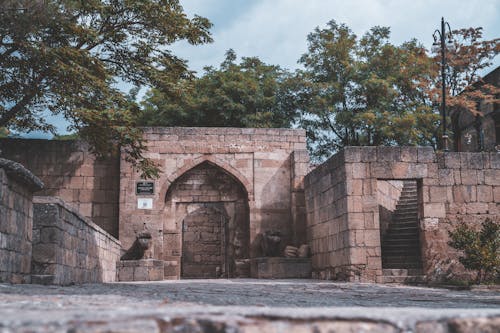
{"x": 247, "y": 306}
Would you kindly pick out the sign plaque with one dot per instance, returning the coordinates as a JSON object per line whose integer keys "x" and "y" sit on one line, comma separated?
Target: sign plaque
{"x": 145, "y": 188}
{"x": 145, "y": 203}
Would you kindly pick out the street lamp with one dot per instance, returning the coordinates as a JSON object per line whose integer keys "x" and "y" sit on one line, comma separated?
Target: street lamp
{"x": 440, "y": 37}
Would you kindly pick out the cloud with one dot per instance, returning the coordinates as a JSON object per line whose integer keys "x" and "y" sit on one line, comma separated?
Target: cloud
{"x": 276, "y": 30}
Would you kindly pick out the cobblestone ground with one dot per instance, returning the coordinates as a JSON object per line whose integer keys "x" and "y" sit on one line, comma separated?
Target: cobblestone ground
{"x": 245, "y": 306}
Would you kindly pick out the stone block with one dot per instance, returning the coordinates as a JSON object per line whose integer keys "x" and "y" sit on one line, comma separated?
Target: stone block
{"x": 388, "y": 154}
{"x": 409, "y": 154}
{"x": 452, "y": 160}
{"x": 426, "y": 155}
{"x": 280, "y": 268}
{"x": 469, "y": 177}
{"x": 492, "y": 177}
{"x": 434, "y": 210}
{"x": 484, "y": 193}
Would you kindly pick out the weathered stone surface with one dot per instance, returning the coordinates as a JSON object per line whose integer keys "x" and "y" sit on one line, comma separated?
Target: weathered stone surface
{"x": 17, "y": 185}
{"x": 70, "y": 249}
{"x": 280, "y": 268}
{"x": 451, "y": 187}
{"x": 245, "y": 306}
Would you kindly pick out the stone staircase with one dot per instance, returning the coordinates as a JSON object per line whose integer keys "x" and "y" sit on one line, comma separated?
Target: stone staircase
{"x": 401, "y": 259}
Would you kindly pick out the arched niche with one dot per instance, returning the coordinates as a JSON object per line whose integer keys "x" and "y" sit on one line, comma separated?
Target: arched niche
{"x": 210, "y": 209}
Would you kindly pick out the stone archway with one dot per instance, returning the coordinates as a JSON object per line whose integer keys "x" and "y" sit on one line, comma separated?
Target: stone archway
{"x": 210, "y": 207}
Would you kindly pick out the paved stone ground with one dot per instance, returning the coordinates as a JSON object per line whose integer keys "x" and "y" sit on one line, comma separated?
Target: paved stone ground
{"x": 245, "y": 305}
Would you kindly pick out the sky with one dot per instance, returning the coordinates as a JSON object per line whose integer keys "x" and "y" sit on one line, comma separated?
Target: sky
{"x": 276, "y": 30}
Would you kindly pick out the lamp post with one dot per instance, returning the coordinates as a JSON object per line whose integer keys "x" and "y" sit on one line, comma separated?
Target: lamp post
{"x": 439, "y": 40}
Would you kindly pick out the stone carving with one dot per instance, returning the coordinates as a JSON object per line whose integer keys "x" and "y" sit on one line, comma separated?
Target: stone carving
{"x": 291, "y": 251}
{"x": 297, "y": 252}
{"x": 270, "y": 244}
{"x": 304, "y": 251}
{"x": 141, "y": 249}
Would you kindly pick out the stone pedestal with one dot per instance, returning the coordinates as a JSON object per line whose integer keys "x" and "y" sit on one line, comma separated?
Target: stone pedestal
{"x": 140, "y": 270}
{"x": 280, "y": 268}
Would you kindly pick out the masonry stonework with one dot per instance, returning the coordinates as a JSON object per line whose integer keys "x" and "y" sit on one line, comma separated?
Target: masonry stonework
{"x": 247, "y": 177}
{"x": 71, "y": 172}
{"x": 69, "y": 248}
{"x": 343, "y": 209}
{"x": 17, "y": 185}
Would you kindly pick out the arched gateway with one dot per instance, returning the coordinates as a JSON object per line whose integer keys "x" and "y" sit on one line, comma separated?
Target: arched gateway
{"x": 219, "y": 189}
{"x": 211, "y": 208}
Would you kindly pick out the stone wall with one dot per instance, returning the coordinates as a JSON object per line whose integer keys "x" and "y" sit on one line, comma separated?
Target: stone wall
{"x": 327, "y": 220}
{"x": 71, "y": 172}
{"x": 17, "y": 185}
{"x": 69, "y": 248}
{"x": 345, "y": 238}
{"x": 260, "y": 161}
{"x": 388, "y": 194}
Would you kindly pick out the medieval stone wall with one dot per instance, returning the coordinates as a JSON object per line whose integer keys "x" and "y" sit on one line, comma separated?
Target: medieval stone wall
{"x": 327, "y": 220}
{"x": 260, "y": 162}
{"x": 452, "y": 187}
{"x": 69, "y": 248}
{"x": 70, "y": 172}
{"x": 17, "y": 185}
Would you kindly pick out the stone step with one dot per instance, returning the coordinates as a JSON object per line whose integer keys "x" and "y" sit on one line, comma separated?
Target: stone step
{"x": 411, "y": 279}
{"x": 406, "y": 242}
{"x": 401, "y": 235}
{"x": 401, "y": 265}
{"x": 403, "y": 227}
{"x": 402, "y": 272}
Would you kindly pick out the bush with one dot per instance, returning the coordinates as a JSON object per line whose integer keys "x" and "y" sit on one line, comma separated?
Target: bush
{"x": 481, "y": 249}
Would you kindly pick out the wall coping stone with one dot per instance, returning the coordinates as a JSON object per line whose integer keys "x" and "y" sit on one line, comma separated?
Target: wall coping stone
{"x": 223, "y": 130}
{"x": 21, "y": 174}
{"x": 58, "y": 201}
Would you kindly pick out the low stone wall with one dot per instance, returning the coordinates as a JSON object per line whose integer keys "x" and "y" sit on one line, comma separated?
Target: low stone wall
{"x": 17, "y": 185}
{"x": 68, "y": 248}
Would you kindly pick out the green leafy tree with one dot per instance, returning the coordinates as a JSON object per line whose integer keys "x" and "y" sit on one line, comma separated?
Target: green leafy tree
{"x": 67, "y": 57}
{"x": 245, "y": 94}
{"x": 364, "y": 91}
{"x": 469, "y": 55}
{"x": 481, "y": 249}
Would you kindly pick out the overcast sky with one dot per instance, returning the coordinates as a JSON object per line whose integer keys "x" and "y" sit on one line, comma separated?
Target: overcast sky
{"x": 276, "y": 30}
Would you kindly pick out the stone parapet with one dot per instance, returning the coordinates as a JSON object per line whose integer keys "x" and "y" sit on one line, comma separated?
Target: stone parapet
{"x": 17, "y": 185}
{"x": 69, "y": 248}
{"x": 280, "y": 268}
{"x": 140, "y": 270}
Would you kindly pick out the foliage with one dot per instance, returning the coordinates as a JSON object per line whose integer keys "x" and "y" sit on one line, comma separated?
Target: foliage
{"x": 64, "y": 137}
{"x": 245, "y": 94}
{"x": 67, "y": 57}
{"x": 364, "y": 91}
{"x": 469, "y": 55}
{"x": 481, "y": 248}
{"x": 4, "y": 132}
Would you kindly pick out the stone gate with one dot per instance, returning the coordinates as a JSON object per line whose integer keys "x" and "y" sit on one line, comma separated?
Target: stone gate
{"x": 219, "y": 189}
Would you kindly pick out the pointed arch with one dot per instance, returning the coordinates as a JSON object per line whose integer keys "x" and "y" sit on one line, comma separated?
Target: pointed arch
{"x": 226, "y": 167}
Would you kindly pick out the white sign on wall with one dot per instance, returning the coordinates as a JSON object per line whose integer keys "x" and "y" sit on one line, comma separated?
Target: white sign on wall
{"x": 145, "y": 203}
